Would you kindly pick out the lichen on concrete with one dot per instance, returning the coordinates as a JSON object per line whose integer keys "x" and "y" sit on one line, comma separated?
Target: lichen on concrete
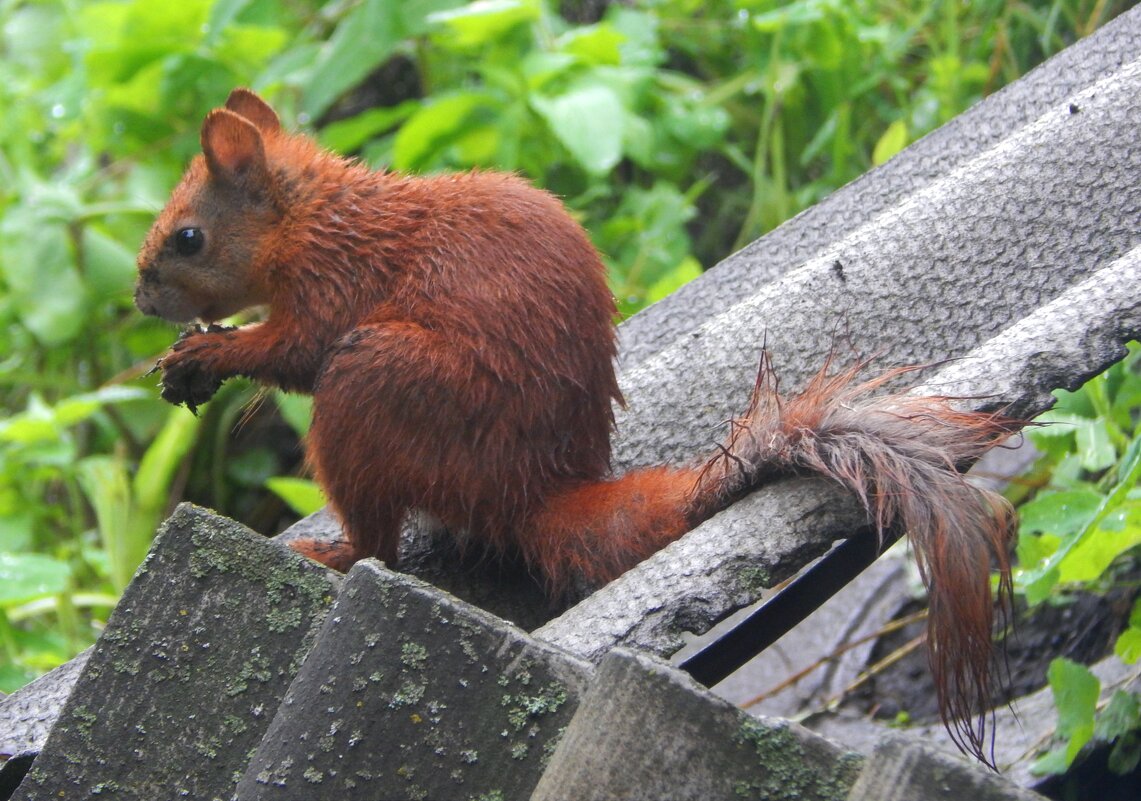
{"x": 441, "y": 700}
{"x": 175, "y": 693}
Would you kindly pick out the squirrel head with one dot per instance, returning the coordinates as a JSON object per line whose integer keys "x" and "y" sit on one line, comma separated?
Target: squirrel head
{"x": 202, "y": 259}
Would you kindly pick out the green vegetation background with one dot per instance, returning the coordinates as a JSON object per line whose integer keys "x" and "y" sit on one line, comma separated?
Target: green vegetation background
{"x": 677, "y": 131}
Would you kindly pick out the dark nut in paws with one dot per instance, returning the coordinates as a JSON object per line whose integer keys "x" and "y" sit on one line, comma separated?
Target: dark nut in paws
{"x": 184, "y": 382}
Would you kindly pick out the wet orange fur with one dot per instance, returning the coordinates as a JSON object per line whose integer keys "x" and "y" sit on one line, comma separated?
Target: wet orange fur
{"x": 456, "y": 335}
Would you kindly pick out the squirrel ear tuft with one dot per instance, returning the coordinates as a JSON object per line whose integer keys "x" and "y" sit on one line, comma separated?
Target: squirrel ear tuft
{"x": 247, "y": 104}
{"x": 233, "y": 148}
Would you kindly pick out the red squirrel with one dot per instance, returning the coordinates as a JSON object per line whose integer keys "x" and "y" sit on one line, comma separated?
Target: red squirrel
{"x": 456, "y": 333}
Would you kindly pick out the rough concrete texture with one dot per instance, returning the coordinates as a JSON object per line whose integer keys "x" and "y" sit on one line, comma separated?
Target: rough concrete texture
{"x": 187, "y": 674}
{"x": 27, "y": 715}
{"x": 722, "y": 565}
{"x": 646, "y": 731}
{"x": 1059, "y": 345}
{"x": 904, "y": 769}
{"x": 410, "y": 693}
{"x": 935, "y": 275}
{"x": 1022, "y": 259}
{"x": 817, "y": 228}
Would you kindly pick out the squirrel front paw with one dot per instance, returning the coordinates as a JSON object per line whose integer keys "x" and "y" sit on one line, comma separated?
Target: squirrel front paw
{"x": 186, "y": 376}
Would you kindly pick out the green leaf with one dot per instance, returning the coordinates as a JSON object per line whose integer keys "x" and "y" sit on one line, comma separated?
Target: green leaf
{"x": 108, "y": 265}
{"x": 346, "y": 136}
{"x": 78, "y": 408}
{"x": 37, "y": 260}
{"x": 484, "y": 21}
{"x": 1125, "y": 755}
{"x": 1095, "y": 446}
{"x": 1038, "y": 585}
{"x": 588, "y": 121}
{"x": 158, "y": 465}
{"x": 106, "y": 485}
{"x": 1121, "y": 715}
{"x": 1119, "y": 531}
{"x": 28, "y": 576}
{"x": 893, "y": 140}
{"x": 1060, "y": 513}
{"x": 1075, "y": 691}
{"x": 222, "y": 13}
{"x": 433, "y": 126}
{"x": 296, "y": 409}
{"x": 593, "y": 44}
{"x": 302, "y": 495}
{"x": 363, "y": 40}
{"x": 1128, "y": 645}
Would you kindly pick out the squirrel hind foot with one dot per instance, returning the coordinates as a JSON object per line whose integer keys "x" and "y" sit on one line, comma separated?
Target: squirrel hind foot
{"x": 340, "y": 555}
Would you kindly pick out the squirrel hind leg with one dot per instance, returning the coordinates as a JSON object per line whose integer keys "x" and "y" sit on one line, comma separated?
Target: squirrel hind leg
{"x": 339, "y": 555}
{"x": 597, "y": 530}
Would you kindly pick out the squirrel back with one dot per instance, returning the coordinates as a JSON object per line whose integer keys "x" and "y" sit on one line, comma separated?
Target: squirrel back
{"x": 456, "y": 334}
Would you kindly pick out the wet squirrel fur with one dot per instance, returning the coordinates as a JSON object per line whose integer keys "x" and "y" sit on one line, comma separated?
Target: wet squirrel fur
{"x": 456, "y": 334}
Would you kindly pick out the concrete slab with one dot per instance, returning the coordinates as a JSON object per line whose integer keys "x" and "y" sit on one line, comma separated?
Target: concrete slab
{"x": 187, "y": 674}
{"x": 647, "y": 731}
{"x": 411, "y": 693}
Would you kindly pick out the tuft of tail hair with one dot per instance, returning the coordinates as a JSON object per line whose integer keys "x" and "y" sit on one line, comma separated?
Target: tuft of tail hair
{"x": 901, "y": 455}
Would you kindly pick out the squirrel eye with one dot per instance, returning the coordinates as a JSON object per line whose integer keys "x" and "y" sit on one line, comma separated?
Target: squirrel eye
{"x": 188, "y": 241}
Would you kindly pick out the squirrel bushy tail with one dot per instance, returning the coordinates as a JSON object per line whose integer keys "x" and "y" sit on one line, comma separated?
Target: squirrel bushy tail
{"x": 899, "y": 454}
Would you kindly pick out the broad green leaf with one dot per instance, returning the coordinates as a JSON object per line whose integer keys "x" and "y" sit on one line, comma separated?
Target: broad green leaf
{"x": 432, "y": 126}
{"x": 1060, "y": 513}
{"x": 108, "y": 265}
{"x": 17, "y": 530}
{"x": 1121, "y": 715}
{"x": 1118, "y": 532}
{"x": 641, "y": 45}
{"x": 593, "y": 44}
{"x": 1095, "y": 446}
{"x": 27, "y": 576}
{"x": 588, "y": 121}
{"x": 250, "y": 46}
{"x": 1128, "y": 645}
{"x": 161, "y": 460}
{"x": 484, "y": 21}
{"x": 893, "y": 140}
{"x": 106, "y": 485}
{"x": 1075, "y": 691}
{"x": 363, "y": 40}
{"x": 346, "y": 136}
{"x": 302, "y": 495}
{"x": 296, "y": 409}
{"x": 37, "y": 261}
{"x": 1038, "y": 585}
{"x": 222, "y": 13}
{"x": 698, "y": 125}
{"x": 78, "y": 408}
{"x": 1125, "y": 754}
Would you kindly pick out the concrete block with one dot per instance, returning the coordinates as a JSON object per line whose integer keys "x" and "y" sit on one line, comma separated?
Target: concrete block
{"x": 903, "y": 769}
{"x": 646, "y": 731}
{"x": 411, "y": 693}
{"x": 187, "y": 674}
